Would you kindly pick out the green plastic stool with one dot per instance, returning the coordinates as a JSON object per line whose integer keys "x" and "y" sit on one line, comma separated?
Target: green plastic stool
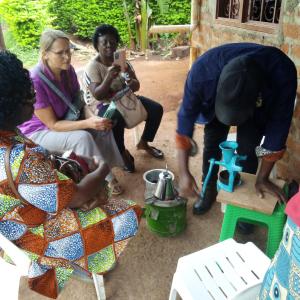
{"x": 274, "y": 222}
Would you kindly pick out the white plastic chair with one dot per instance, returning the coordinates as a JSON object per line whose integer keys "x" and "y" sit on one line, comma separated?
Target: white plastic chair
{"x": 10, "y": 274}
{"x": 227, "y": 270}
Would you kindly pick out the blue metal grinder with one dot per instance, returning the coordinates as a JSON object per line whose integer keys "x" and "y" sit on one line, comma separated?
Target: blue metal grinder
{"x": 229, "y": 177}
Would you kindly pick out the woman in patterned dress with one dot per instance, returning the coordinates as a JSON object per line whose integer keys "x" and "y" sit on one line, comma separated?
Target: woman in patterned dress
{"x": 282, "y": 280}
{"x": 45, "y": 215}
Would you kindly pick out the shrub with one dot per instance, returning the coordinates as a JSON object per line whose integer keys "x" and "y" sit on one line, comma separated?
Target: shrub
{"x": 178, "y": 12}
{"x": 80, "y": 17}
{"x": 26, "y": 20}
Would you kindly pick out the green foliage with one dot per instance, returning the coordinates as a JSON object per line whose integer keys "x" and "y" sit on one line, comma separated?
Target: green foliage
{"x": 174, "y": 12}
{"x": 80, "y": 17}
{"x": 163, "y": 6}
{"x": 28, "y": 56}
{"x": 26, "y": 19}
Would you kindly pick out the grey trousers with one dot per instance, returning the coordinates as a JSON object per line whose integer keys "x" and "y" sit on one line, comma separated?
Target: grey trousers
{"x": 87, "y": 143}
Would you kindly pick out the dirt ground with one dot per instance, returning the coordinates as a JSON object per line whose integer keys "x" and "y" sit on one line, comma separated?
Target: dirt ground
{"x": 145, "y": 270}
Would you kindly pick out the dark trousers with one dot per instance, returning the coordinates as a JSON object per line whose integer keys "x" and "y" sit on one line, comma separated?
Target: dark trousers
{"x": 248, "y": 137}
{"x": 155, "y": 113}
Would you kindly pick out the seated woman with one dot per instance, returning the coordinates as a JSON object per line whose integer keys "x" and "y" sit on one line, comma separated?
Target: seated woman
{"x": 47, "y": 126}
{"x": 58, "y": 223}
{"x": 102, "y": 79}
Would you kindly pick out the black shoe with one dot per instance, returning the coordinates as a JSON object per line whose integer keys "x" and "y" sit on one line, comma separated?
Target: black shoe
{"x": 202, "y": 205}
{"x": 128, "y": 162}
{"x": 245, "y": 228}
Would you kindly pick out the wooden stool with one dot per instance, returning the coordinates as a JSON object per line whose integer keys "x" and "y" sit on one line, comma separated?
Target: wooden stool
{"x": 244, "y": 205}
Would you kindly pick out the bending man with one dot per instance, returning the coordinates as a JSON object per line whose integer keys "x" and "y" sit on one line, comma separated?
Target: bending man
{"x": 246, "y": 85}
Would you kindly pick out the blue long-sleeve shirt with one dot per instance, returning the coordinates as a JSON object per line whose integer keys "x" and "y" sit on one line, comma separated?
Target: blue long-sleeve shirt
{"x": 278, "y": 92}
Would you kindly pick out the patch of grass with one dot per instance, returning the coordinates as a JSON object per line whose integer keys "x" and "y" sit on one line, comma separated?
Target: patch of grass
{"x": 29, "y": 57}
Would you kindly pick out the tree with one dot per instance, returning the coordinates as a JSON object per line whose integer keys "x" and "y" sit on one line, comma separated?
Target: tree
{"x": 2, "y": 43}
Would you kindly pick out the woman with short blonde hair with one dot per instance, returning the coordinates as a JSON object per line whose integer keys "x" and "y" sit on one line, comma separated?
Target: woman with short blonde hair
{"x": 48, "y": 126}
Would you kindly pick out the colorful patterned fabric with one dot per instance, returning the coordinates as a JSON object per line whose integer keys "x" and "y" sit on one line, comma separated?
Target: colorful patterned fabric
{"x": 282, "y": 280}
{"x": 293, "y": 209}
{"x": 56, "y": 238}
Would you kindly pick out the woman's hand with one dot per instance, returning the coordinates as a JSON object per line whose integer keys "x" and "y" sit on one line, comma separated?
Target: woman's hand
{"x": 94, "y": 202}
{"x": 266, "y": 186}
{"x": 113, "y": 71}
{"x": 98, "y": 123}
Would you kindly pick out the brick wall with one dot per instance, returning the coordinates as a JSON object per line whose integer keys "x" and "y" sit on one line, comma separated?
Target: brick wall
{"x": 210, "y": 33}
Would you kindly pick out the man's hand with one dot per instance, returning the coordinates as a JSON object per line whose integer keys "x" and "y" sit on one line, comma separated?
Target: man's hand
{"x": 266, "y": 186}
{"x": 188, "y": 186}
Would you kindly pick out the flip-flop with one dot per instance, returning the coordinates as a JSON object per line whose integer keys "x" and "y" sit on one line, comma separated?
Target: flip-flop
{"x": 155, "y": 152}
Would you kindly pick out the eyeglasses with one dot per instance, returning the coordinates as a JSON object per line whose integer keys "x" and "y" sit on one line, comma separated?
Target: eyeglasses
{"x": 63, "y": 53}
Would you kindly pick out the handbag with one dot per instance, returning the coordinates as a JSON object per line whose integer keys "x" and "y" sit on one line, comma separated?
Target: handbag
{"x": 76, "y": 107}
{"x": 130, "y": 107}
{"x": 70, "y": 165}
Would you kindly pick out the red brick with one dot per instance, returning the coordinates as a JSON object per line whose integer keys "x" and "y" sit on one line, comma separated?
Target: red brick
{"x": 291, "y": 31}
{"x": 295, "y": 51}
{"x": 285, "y": 48}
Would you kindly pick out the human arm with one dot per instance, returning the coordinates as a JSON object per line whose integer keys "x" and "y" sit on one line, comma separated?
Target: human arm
{"x": 50, "y": 108}
{"x": 101, "y": 89}
{"x": 186, "y": 117}
{"x": 280, "y": 107}
{"x": 132, "y": 80}
{"x": 263, "y": 183}
{"x": 187, "y": 184}
{"x": 51, "y": 191}
{"x": 48, "y": 117}
{"x": 89, "y": 191}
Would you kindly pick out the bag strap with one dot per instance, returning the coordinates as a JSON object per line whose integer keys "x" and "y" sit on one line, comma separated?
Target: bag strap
{"x": 9, "y": 175}
{"x": 118, "y": 95}
{"x": 57, "y": 91}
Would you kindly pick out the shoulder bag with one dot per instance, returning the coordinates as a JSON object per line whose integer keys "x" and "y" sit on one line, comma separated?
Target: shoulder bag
{"x": 130, "y": 107}
{"x": 75, "y": 108}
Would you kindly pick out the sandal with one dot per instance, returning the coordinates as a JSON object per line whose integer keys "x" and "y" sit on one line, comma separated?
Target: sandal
{"x": 154, "y": 152}
{"x": 115, "y": 188}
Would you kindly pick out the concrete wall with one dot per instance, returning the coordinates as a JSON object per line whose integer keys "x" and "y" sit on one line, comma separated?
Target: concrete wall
{"x": 286, "y": 35}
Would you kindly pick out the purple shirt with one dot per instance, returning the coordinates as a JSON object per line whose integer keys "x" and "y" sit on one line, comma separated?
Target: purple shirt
{"x": 45, "y": 97}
